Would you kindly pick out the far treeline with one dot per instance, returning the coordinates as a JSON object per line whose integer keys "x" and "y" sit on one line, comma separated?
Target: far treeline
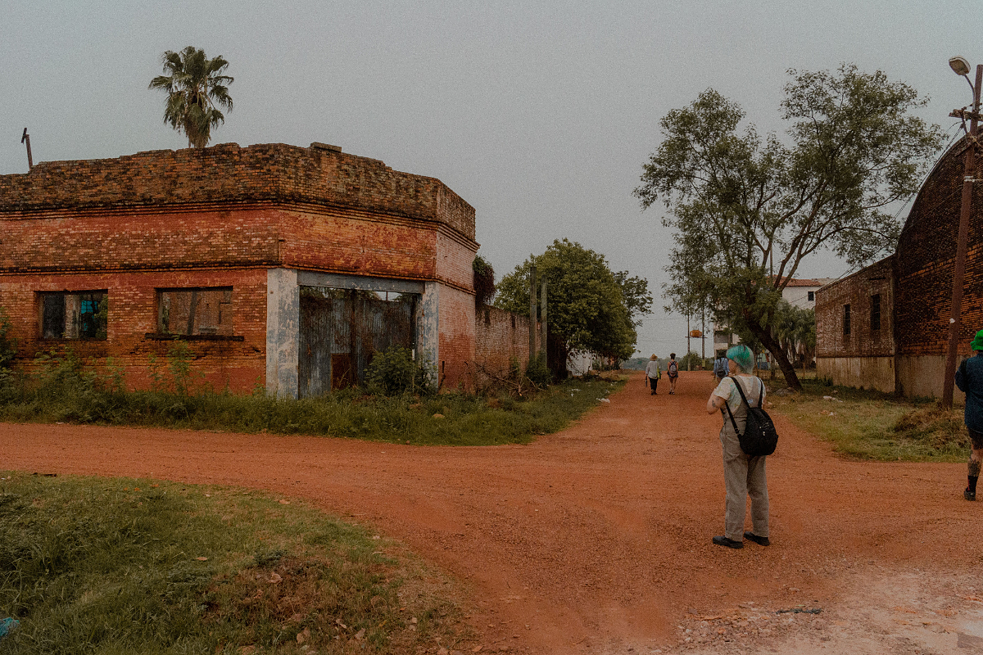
{"x": 747, "y": 210}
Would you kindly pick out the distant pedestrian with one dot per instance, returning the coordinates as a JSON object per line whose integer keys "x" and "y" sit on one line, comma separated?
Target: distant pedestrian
{"x": 672, "y": 370}
{"x": 720, "y": 366}
{"x": 743, "y": 476}
{"x": 653, "y": 372}
{"x": 969, "y": 379}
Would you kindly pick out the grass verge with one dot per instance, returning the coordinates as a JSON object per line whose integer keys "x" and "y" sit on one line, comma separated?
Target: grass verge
{"x": 874, "y": 425}
{"x": 446, "y": 419}
{"x": 137, "y": 566}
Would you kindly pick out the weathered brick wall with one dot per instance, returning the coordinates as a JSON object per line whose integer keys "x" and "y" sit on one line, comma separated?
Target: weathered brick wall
{"x": 337, "y": 241}
{"x": 924, "y": 262}
{"x": 857, "y": 291}
{"x": 456, "y": 339}
{"x": 236, "y": 364}
{"x": 230, "y": 175}
{"x": 500, "y": 338}
{"x": 222, "y": 216}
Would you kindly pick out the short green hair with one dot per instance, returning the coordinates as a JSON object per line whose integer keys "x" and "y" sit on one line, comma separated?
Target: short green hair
{"x": 742, "y": 356}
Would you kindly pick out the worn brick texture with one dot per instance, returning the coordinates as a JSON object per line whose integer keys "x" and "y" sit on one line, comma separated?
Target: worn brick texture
{"x": 925, "y": 258}
{"x": 222, "y": 216}
{"x": 238, "y": 365}
{"x": 922, "y": 269}
{"x": 858, "y": 291}
{"x": 229, "y": 175}
{"x": 501, "y": 337}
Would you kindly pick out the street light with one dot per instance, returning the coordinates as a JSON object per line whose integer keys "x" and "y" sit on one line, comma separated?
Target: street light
{"x": 961, "y": 67}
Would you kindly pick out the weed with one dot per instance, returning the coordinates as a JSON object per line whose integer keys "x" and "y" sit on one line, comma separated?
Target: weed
{"x": 875, "y": 425}
{"x": 394, "y": 371}
{"x": 137, "y": 566}
{"x": 62, "y": 391}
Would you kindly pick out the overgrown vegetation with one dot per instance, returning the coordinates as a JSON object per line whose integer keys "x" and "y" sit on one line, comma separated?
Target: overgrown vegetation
{"x": 65, "y": 390}
{"x": 136, "y": 566}
{"x": 394, "y": 372}
{"x": 874, "y": 425}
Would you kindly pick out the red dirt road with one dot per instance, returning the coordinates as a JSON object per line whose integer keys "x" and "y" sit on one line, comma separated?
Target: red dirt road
{"x": 597, "y": 539}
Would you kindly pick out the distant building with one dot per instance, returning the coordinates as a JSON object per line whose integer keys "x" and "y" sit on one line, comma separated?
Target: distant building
{"x": 886, "y": 327}
{"x": 798, "y": 293}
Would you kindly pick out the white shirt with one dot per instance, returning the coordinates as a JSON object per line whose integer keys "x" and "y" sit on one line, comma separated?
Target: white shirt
{"x": 751, "y": 385}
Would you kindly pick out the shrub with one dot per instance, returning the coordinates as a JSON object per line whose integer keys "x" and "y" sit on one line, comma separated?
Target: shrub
{"x": 484, "y": 281}
{"x": 394, "y": 372}
{"x": 538, "y": 373}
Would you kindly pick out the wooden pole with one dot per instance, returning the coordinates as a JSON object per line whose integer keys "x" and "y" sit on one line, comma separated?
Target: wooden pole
{"x": 532, "y": 314}
{"x": 542, "y": 314}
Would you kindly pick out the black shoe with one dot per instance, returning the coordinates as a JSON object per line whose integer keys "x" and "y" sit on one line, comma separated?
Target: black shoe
{"x": 969, "y": 495}
{"x": 762, "y": 541}
{"x": 730, "y": 543}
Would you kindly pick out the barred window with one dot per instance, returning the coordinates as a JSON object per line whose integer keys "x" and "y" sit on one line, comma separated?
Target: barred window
{"x": 200, "y": 311}
{"x": 74, "y": 315}
{"x": 875, "y": 312}
{"x": 846, "y": 319}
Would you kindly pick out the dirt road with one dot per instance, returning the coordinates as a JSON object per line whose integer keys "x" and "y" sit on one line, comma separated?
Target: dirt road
{"x": 597, "y": 539}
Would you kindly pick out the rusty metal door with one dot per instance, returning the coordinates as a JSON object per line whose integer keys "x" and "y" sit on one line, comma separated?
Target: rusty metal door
{"x": 341, "y": 330}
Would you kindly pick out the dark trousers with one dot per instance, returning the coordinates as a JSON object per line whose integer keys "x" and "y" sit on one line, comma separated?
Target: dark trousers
{"x": 653, "y": 382}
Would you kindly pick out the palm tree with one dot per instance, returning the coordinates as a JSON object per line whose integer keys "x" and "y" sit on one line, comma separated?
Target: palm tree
{"x": 195, "y": 89}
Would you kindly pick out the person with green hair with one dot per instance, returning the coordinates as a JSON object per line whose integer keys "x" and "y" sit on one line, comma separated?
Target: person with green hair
{"x": 743, "y": 476}
{"x": 969, "y": 379}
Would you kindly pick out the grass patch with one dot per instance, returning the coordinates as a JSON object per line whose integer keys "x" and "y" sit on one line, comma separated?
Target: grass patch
{"x": 75, "y": 396}
{"x": 136, "y": 566}
{"x": 873, "y": 425}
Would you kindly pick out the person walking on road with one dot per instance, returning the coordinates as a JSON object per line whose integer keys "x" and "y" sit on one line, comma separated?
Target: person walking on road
{"x": 969, "y": 379}
{"x": 653, "y": 372}
{"x": 743, "y": 476}
{"x": 720, "y": 366}
{"x": 672, "y": 370}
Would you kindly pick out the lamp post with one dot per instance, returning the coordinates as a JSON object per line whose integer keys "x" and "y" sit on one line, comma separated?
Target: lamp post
{"x": 961, "y": 67}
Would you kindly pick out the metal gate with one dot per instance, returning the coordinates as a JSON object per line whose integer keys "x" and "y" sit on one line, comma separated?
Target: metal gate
{"x": 341, "y": 329}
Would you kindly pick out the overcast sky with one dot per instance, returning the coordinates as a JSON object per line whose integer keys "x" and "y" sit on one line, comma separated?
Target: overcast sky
{"x": 539, "y": 114}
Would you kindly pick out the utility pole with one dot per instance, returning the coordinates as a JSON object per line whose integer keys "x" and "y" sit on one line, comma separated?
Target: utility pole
{"x": 542, "y": 317}
{"x": 689, "y": 335}
{"x": 26, "y": 138}
{"x": 961, "y": 67}
{"x": 532, "y": 314}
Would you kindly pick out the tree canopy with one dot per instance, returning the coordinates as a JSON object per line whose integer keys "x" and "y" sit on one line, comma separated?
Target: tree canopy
{"x": 748, "y": 210}
{"x": 195, "y": 88}
{"x": 590, "y": 308}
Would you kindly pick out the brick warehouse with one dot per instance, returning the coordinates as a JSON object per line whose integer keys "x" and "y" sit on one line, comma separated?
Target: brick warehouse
{"x": 886, "y": 327}
{"x": 277, "y": 265}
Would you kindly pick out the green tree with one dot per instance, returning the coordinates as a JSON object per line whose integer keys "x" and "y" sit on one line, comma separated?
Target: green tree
{"x": 590, "y": 308}
{"x": 195, "y": 88}
{"x": 747, "y": 211}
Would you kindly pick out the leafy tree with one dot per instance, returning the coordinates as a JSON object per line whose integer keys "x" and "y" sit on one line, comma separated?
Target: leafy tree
{"x": 484, "y": 281}
{"x": 748, "y": 210}
{"x": 590, "y": 308}
{"x": 195, "y": 88}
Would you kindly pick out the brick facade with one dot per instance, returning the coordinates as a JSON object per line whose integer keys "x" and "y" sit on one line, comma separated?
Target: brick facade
{"x": 863, "y": 353}
{"x": 225, "y": 217}
{"x": 921, "y": 292}
{"x": 501, "y": 337}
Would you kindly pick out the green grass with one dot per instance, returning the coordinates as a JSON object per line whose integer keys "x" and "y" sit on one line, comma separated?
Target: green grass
{"x": 445, "y": 419}
{"x": 873, "y": 425}
{"x": 135, "y": 566}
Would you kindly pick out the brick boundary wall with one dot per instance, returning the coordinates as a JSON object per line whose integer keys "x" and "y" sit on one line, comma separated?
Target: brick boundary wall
{"x": 500, "y": 338}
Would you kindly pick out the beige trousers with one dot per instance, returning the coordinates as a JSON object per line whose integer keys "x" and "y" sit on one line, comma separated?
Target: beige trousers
{"x": 743, "y": 476}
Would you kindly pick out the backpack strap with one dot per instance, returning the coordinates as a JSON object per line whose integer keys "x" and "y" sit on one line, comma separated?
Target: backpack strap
{"x": 743, "y": 400}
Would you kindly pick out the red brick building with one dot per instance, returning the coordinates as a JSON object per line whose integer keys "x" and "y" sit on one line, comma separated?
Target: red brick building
{"x": 279, "y": 266}
{"x": 887, "y": 327}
